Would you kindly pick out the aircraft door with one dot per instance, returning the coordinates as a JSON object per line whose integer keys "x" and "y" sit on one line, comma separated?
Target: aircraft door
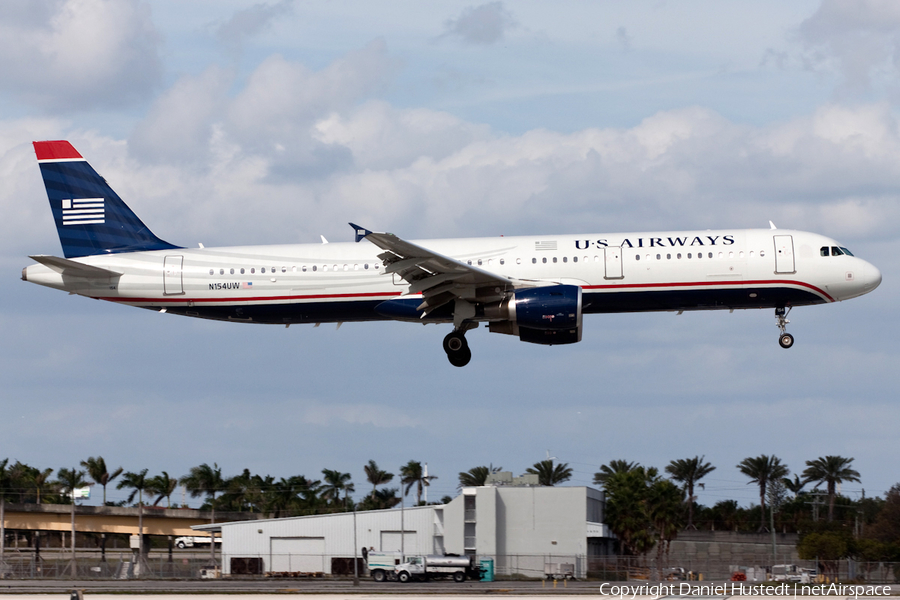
{"x": 784, "y": 254}
{"x": 613, "y": 261}
{"x": 172, "y": 276}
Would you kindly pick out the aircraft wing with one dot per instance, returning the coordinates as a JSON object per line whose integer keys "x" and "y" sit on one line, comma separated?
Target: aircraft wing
{"x": 440, "y": 279}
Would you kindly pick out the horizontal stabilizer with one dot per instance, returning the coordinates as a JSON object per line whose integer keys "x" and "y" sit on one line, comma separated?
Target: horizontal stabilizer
{"x": 71, "y": 268}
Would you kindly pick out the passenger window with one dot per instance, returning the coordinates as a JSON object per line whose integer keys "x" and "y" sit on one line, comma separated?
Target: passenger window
{"x": 668, "y": 257}
{"x": 303, "y": 268}
{"x": 710, "y": 254}
{"x": 544, "y": 260}
{"x": 263, "y": 270}
{"x": 253, "y": 269}
{"x": 637, "y": 257}
{"x": 823, "y": 250}
{"x": 534, "y": 261}
{"x": 565, "y": 259}
{"x": 479, "y": 262}
{"x": 502, "y": 261}
{"x": 469, "y": 262}
{"x": 678, "y": 256}
{"x": 762, "y": 252}
{"x": 347, "y": 267}
{"x": 212, "y": 271}
{"x": 659, "y": 257}
{"x": 518, "y": 261}
{"x": 689, "y": 254}
{"x": 242, "y": 270}
{"x": 554, "y": 260}
{"x": 366, "y": 266}
{"x": 574, "y": 259}
{"x": 221, "y": 271}
{"x": 315, "y": 268}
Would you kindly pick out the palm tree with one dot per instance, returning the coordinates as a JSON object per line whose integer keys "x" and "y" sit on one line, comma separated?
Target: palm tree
{"x": 138, "y": 482}
{"x": 663, "y": 507}
{"x": 207, "y": 480}
{"x": 376, "y": 476}
{"x": 164, "y": 486}
{"x": 69, "y": 481}
{"x": 689, "y": 471}
{"x": 761, "y": 470}
{"x": 795, "y": 485}
{"x": 830, "y": 470}
{"x": 412, "y": 474}
{"x": 550, "y": 474}
{"x": 614, "y": 466}
{"x": 476, "y": 476}
{"x": 40, "y": 480}
{"x": 96, "y": 469}
{"x": 336, "y": 482}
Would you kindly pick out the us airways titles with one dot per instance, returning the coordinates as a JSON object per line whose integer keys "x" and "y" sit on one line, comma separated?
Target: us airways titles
{"x": 660, "y": 242}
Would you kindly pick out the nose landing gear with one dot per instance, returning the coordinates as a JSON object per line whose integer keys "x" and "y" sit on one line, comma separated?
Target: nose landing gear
{"x": 457, "y": 348}
{"x": 785, "y": 340}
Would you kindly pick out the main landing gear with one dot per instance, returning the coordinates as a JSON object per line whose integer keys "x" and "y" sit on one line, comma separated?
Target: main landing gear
{"x": 457, "y": 348}
{"x": 785, "y": 340}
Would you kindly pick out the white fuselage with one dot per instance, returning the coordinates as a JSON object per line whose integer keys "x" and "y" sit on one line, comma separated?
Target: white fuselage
{"x": 620, "y": 272}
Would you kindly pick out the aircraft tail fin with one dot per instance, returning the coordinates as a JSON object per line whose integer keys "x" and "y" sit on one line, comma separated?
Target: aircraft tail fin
{"x": 90, "y": 217}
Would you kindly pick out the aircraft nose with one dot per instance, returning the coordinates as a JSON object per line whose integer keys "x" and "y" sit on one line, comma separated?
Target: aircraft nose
{"x": 872, "y": 277}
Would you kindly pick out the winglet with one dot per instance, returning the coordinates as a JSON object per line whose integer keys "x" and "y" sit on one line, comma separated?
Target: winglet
{"x": 361, "y": 232}
{"x": 772, "y": 225}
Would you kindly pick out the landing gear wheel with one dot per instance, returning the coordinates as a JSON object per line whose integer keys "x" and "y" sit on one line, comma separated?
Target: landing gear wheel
{"x": 455, "y": 342}
{"x": 785, "y": 340}
{"x": 457, "y": 349}
{"x": 460, "y": 359}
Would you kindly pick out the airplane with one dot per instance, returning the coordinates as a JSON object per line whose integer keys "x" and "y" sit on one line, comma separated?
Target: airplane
{"x": 537, "y": 288}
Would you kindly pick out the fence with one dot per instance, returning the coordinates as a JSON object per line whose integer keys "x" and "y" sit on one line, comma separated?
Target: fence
{"x": 122, "y": 565}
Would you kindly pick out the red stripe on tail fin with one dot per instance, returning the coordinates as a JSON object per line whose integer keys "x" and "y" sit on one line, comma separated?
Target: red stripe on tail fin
{"x": 56, "y": 150}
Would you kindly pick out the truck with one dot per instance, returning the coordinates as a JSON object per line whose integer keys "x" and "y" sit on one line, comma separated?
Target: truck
{"x": 189, "y": 541}
{"x": 383, "y": 565}
{"x": 424, "y": 568}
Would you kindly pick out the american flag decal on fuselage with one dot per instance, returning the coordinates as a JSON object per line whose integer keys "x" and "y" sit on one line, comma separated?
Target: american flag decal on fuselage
{"x": 83, "y": 211}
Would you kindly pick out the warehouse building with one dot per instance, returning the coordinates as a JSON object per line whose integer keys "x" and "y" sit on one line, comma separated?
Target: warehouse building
{"x": 523, "y": 528}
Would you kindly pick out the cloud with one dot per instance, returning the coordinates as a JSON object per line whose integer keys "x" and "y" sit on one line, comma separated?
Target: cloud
{"x": 858, "y": 40}
{"x": 79, "y": 54}
{"x": 483, "y": 24}
{"x": 249, "y": 22}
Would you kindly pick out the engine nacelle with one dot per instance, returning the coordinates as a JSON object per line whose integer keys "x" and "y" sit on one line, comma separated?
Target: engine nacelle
{"x": 544, "y": 315}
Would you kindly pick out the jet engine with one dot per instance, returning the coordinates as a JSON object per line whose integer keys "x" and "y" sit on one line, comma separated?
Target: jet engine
{"x": 544, "y": 315}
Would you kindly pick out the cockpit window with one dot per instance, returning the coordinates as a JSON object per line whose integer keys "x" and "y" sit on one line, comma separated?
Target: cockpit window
{"x": 824, "y": 251}
{"x": 845, "y": 251}
{"x": 835, "y": 251}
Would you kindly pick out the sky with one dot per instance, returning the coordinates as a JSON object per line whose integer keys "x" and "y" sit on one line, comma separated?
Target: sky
{"x": 232, "y": 122}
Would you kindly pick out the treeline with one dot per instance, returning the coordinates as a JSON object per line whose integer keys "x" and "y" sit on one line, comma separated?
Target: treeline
{"x": 247, "y": 492}
{"x": 647, "y": 510}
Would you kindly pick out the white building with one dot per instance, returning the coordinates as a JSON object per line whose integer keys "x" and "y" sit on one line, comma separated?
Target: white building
{"x": 521, "y": 528}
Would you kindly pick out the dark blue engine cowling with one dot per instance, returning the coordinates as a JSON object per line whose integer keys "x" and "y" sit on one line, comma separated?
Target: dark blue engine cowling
{"x": 548, "y": 315}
